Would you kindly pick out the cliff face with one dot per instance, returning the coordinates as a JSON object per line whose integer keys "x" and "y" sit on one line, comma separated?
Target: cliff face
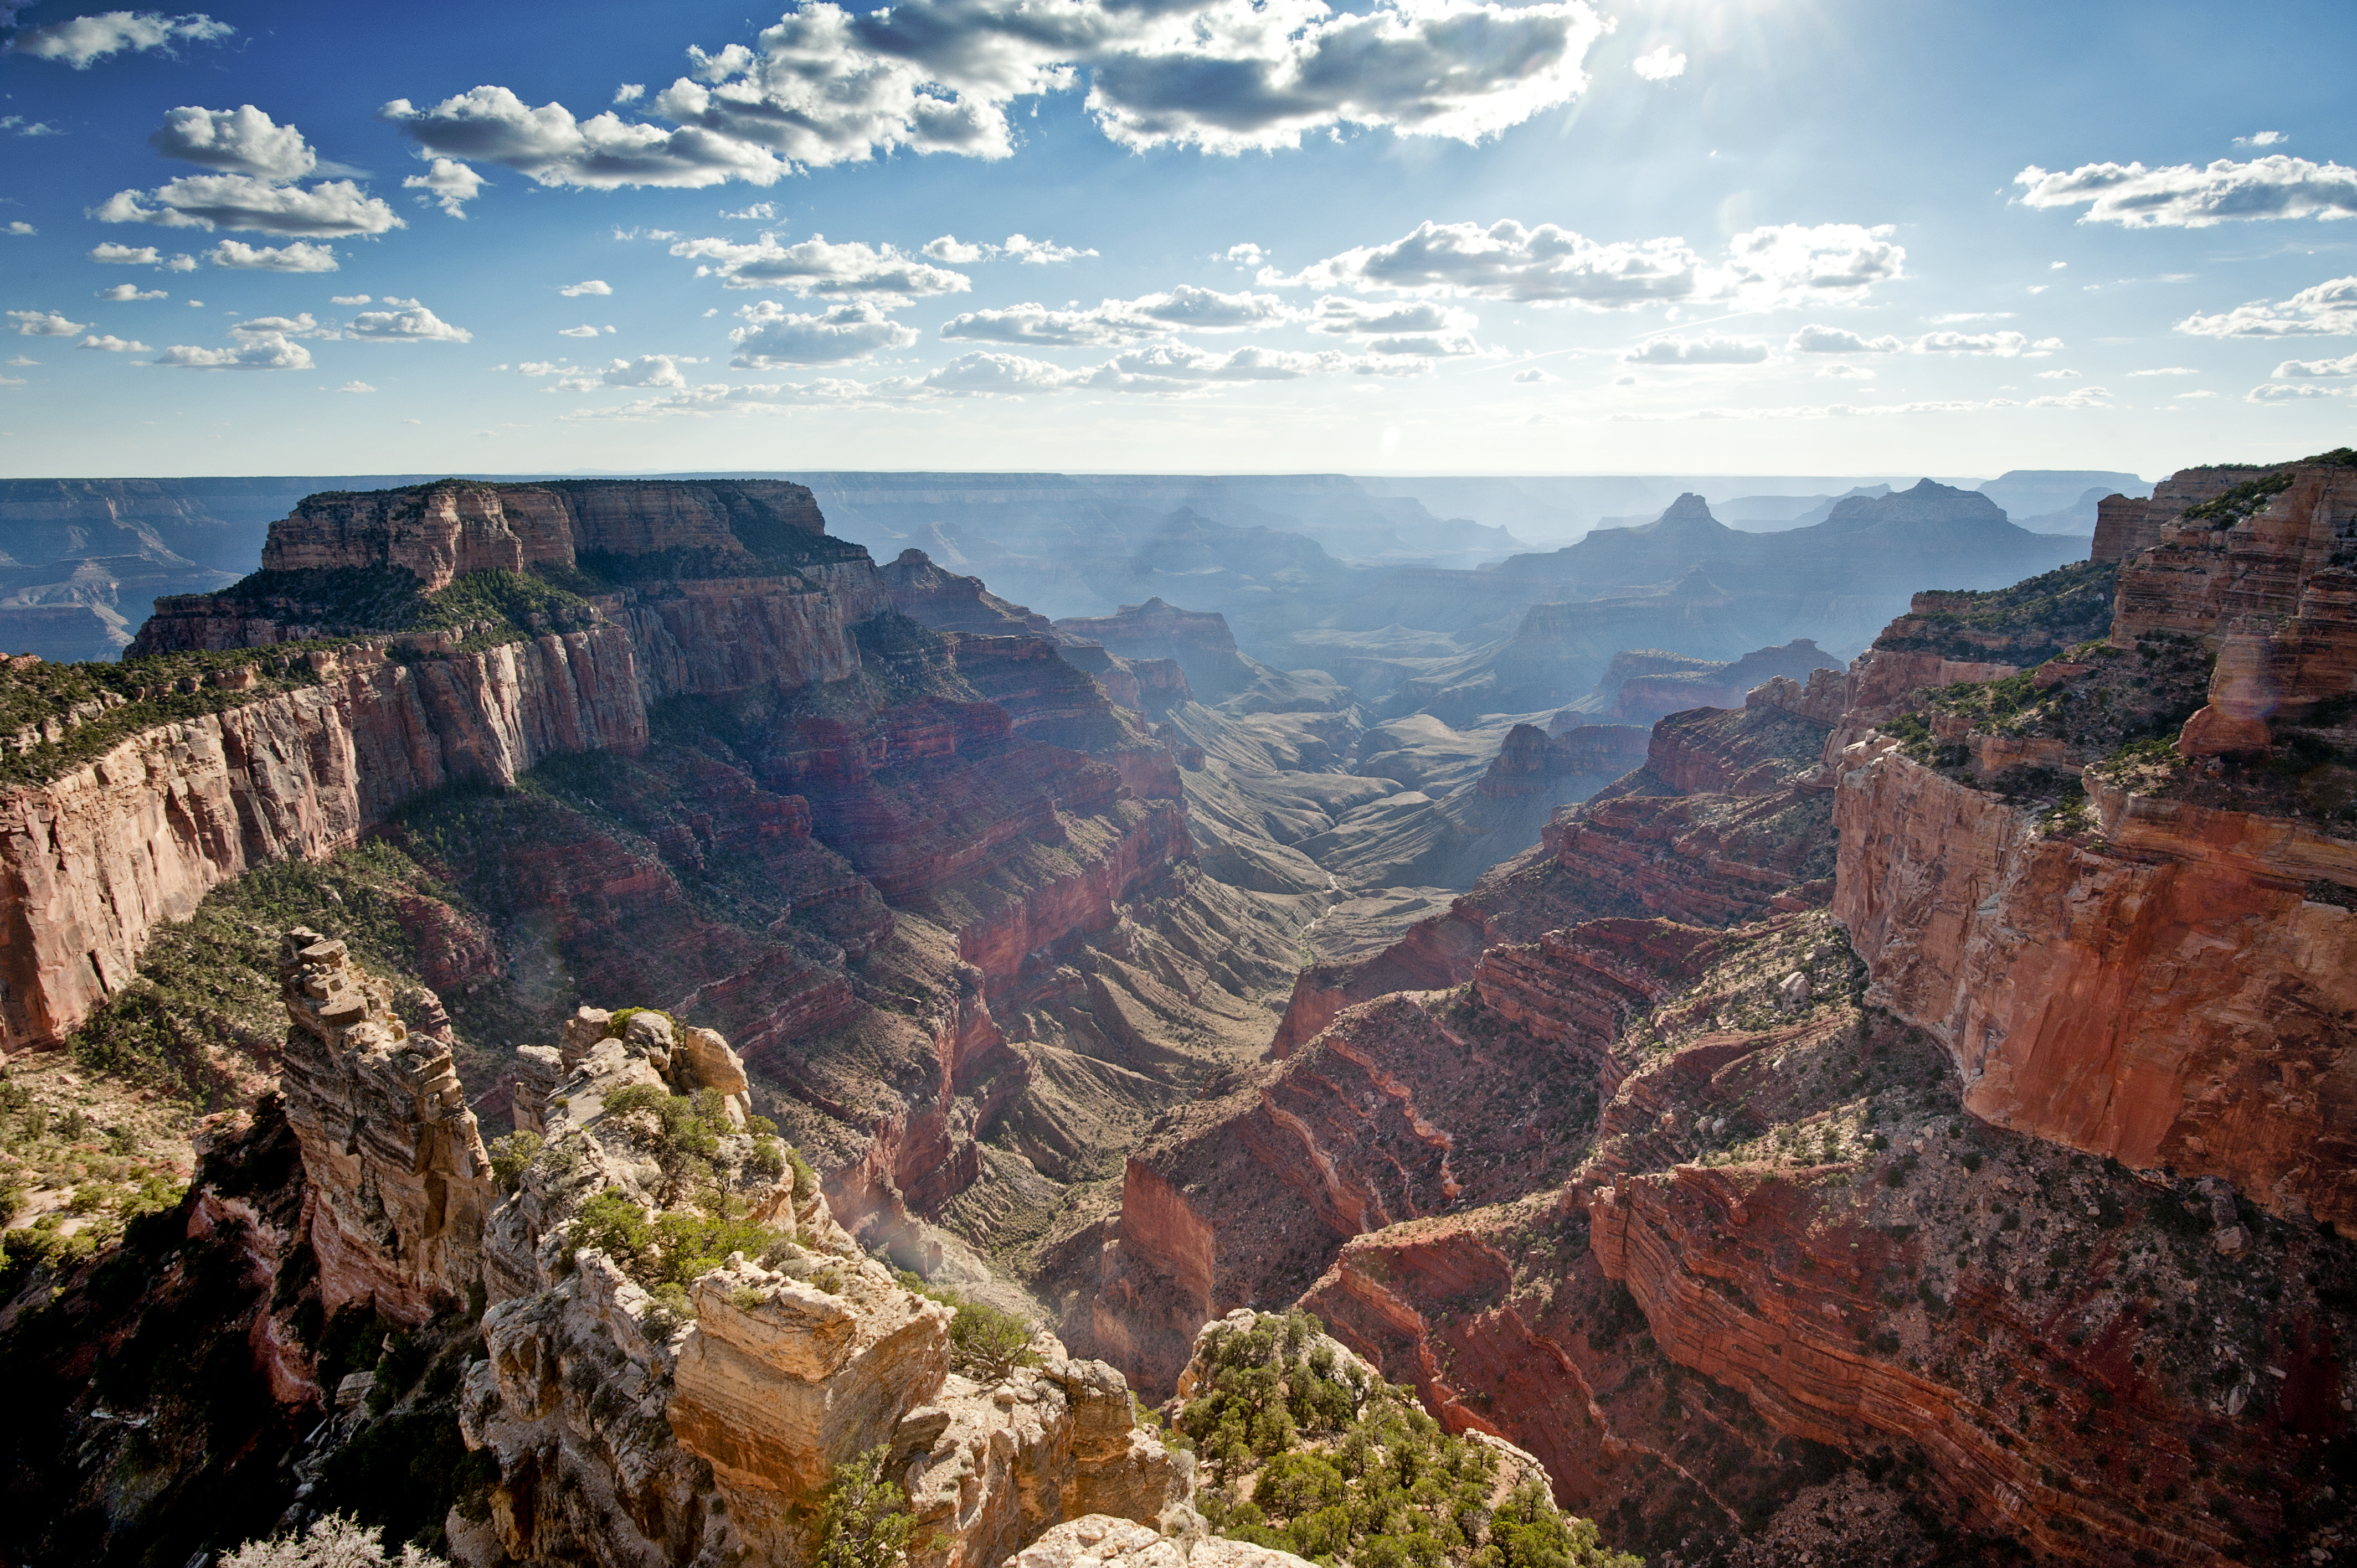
{"x": 90, "y": 862}
{"x": 440, "y": 532}
{"x": 2161, "y": 974}
{"x": 1788, "y": 1253}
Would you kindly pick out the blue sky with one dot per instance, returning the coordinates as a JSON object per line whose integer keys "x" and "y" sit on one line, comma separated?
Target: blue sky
{"x": 1760, "y": 236}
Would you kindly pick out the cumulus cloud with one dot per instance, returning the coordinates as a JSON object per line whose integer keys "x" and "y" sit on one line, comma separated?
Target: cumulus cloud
{"x": 21, "y": 229}
{"x": 331, "y": 208}
{"x": 43, "y": 324}
{"x": 242, "y": 140}
{"x": 1766, "y": 268}
{"x": 604, "y": 152}
{"x": 123, "y": 292}
{"x": 301, "y": 256}
{"x": 2325, "y": 310}
{"x": 827, "y": 85}
{"x": 587, "y": 285}
{"x": 2181, "y": 196}
{"x": 1021, "y": 248}
{"x": 773, "y": 337}
{"x": 1661, "y": 64}
{"x": 298, "y": 325}
{"x": 82, "y": 41}
{"x": 657, "y": 371}
{"x": 1846, "y": 372}
{"x": 852, "y": 270}
{"x": 1119, "y": 321}
{"x": 584, "y": 330}
{"x": 1709, "y": 348}
{"x": 260, "y": 351}
{"x": 18, "y": 126}
{"x": 2168, "y": 370}
{"x": 1169, "y": 367}
{"x": 2261, "y": 139}
{"x": 2281, "y": 391}
{"x": 111, "y": 344}
{"x": 1243, "y": 255}
{"x": 1840, "y": 340}
{"x": 2058, "y": 375}
{"x": 2078, "y": 397}
{"x": 356, "y": 387}
{"x": 411, "y": 323}
{"x": 1533, "y": 378}
{"x": 348, "y": 299}
{"x": 128, "y": 255}
{"x": 2309, "y": 368}
{"x": 1357, "y": 318}
{"x": 450, "y": 183}
{"x": 2004, "y": 345}
{"x": 751, "y": 212}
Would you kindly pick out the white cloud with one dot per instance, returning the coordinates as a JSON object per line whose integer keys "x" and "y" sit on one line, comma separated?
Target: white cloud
{"x": 589, "y": 285}
{"x": 1846, "y": 372}
{"x": 2058, "y": 375}
{"x": 2003, "y": 345}
{"x": 298, "y": 325}
{"x": 1112, "y": 322}
{"x": 1169, "y": 367}
{"x": 21, "y": 229}
{"x": 356, "y": 387}
{"x": 1343, "y": 318}
{"x": 851, "y": 271}
{"x": 1766, "y": 268}
{"x": 43, "y": 324}
{"x": 127, "y": 256}
{"x": 1709, "y": 348}
{"x": 331, "y": 208}
{"x": 2187, "y": 395}
{"x": 827, "y": 85}
{"x": 1533, "y": 377}
{"x": 584, "y": 330}
{"x": 450, "y": 183}
{"x": 752, "y": 212}
{"x": 2181, "y": 196}
{"x": 22, "y": 359}
{"x": 111, "y": 344}
{"x": 2078, "y": 397}
{"x": 1815, "y": 339}
{"x": 122, "y": 293}
{"x": 604, "y": 152}
{"x": 299, "y": 256}
{"x": 412, "y": 324}
{"x": 264, "y": 351}
{"x": 242, "y": 140}
{"x": 348, "y": 299}
{"x": 773, "y": 337}
{"x": 2325, "y": 310}
{"x": 2278, "y": 391}
{"x": 1789, "y": 264}
{"x": 2168, "y": 370}
{"x": 957, "y": 253}
{"x": 81, "y": 40}
{"x": 630, "y": 92}
{"x": 18, "y": 126}
{"x": 1243, "y": 255}
{"x": 1021, "y": 247}
{"x": 1661, "y": 64}
{"x": 2261, "y": 139}
{"x": 1955, "y": 316}
{"x": 1040, "y": 252}
{"x": 2311, "y": 369}
{"x": 653, "y": 371}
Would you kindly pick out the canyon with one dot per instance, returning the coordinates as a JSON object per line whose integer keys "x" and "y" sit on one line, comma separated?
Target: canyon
{"x": 1899, "y": 1107}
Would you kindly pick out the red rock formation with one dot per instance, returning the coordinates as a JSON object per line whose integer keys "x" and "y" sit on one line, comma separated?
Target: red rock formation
{"x": 1197, "y": 641}
{"x": 2126, "y": 528}
{"x": 441, "y": 531}
{"x": 1529, "y": 757}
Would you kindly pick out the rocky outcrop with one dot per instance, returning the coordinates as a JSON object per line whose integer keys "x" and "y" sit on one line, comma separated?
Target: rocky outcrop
{"x": 2126, "y": 526}
{"x": 947, "y": 602}
{"x": 1529, "y": 757}
{"x": 1650, "y": 694}
{"x": 400, "y": 1184}
{"x": 442, "y": 531}
{"x": 1198, "y": 643}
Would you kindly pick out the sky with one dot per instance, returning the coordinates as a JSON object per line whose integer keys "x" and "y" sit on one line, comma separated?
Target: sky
{"x": 1387, "y": 236}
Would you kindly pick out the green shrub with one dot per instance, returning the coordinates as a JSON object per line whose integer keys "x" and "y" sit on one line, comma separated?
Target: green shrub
{"x": 865, "y": 1523}
{"x": 511, "y": 1155}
